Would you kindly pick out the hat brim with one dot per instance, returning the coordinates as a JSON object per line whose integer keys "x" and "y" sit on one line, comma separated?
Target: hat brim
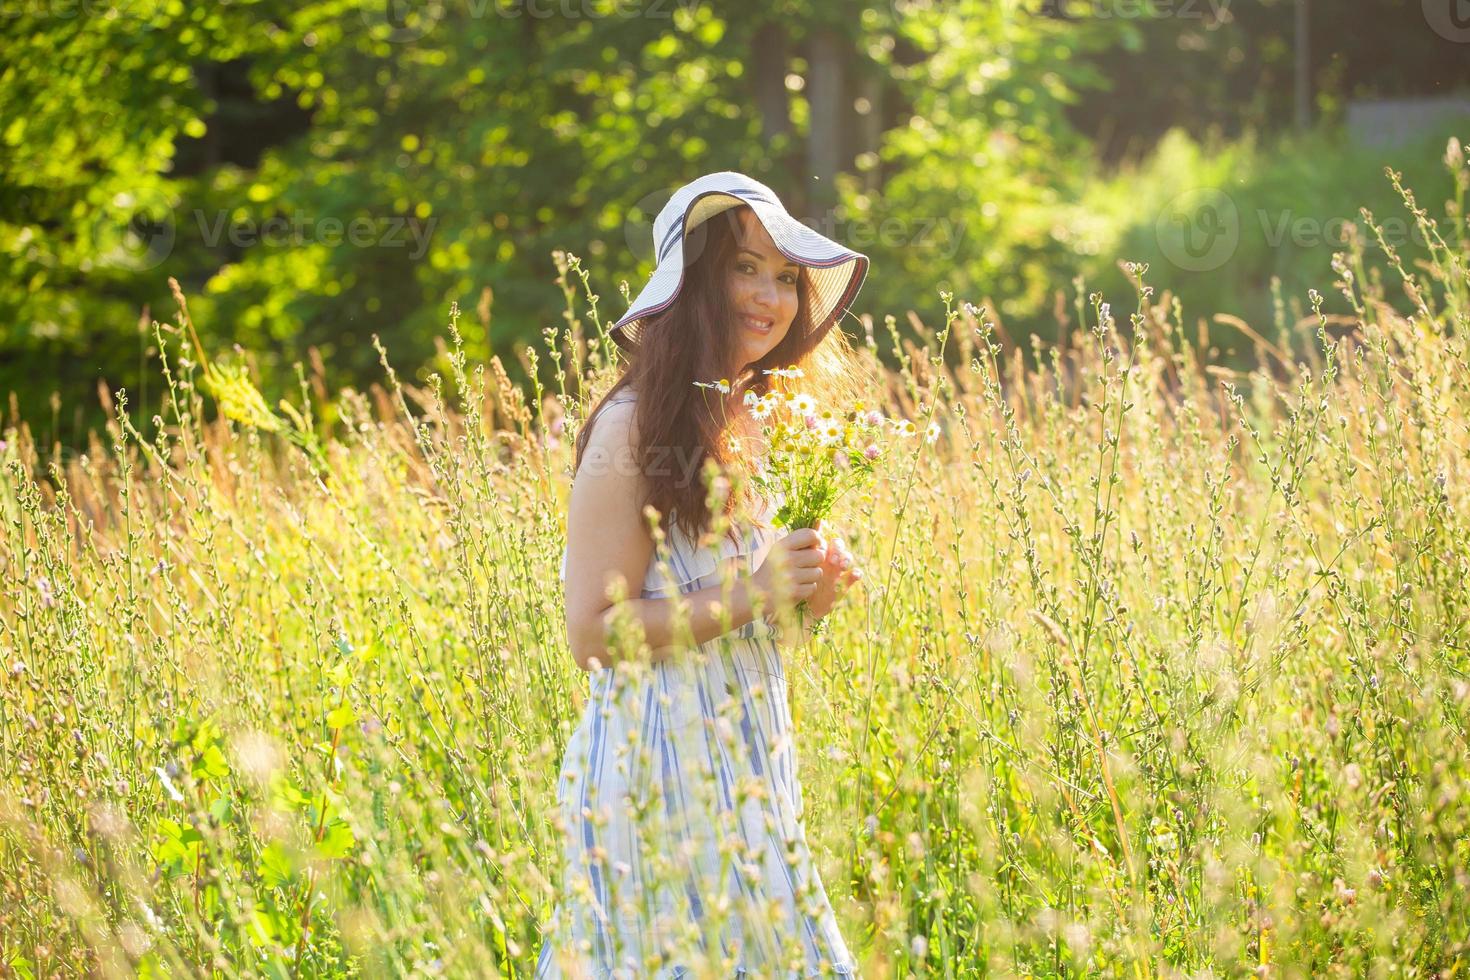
{"x": 836, "y": 272}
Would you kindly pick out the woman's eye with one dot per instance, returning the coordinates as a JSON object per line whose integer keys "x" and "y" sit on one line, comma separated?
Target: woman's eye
{"x": 788, "y": 277}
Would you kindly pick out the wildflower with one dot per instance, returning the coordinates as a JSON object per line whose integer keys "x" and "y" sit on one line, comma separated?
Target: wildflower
{"x": 803, "y": 404}
{"x": 871, "y": 452}
{"x": 931, "y": 434}
{"x": 829, "y": 432}
{"x": 239, "y": 399}
{"x": 751, "y": 399}
{"x": 904, "y": 427}
{"x": 168, "y": 785}
{"x": 722, "y": 385}
{"x": 873, "y": 417}
{"x": 43, "y": 587}
{"x": 763, "y": 407}
{"x": 794, "y": 372}
{"x": 151, "y": 917}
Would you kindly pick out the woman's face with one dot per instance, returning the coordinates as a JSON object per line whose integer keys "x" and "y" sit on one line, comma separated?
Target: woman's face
{"x": 762, "y": 291}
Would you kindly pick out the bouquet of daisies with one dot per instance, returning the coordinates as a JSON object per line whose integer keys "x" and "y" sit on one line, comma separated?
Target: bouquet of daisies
{"x": 813, "y": 454}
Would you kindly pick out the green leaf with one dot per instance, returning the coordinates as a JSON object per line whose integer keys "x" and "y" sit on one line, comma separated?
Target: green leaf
{"x": 276, "y": 868}
{"x": 337, "y": 840}
{"x": 211, "y": 764}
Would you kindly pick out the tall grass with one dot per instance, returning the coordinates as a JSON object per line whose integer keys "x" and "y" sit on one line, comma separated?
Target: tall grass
{"x": 1160, "y": 668}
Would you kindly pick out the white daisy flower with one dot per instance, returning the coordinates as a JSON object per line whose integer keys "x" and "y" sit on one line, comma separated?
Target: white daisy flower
{"x": 803, "y": 404}
{"x": 932, "y": 433}
{"x": 722, "y": 385}
{"x": 794, "y": 372}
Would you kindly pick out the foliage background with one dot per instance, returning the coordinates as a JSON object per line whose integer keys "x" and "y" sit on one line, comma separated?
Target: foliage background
{"x": 476, "y": 136}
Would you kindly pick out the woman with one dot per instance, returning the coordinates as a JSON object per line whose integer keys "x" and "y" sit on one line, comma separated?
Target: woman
{"x": 679, "y": 801}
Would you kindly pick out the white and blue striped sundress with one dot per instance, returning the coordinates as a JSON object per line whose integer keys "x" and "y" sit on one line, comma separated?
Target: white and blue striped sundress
{"x": 680, "y": 809}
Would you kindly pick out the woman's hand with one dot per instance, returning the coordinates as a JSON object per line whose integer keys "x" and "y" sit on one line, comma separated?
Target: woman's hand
{"x": 792, "y": 570}
{"x": 839, "y": 572}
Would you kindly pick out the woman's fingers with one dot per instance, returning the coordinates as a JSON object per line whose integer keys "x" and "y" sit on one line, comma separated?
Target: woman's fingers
{"x": 804, "y": 574}
{"x": 807, "y": 557}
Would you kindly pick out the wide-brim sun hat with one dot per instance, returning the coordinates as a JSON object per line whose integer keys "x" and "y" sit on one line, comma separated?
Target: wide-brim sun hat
{"x": 836, "y": 272}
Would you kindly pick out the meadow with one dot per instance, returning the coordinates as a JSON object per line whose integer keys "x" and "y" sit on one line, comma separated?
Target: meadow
{"x": 1159, "y": 667}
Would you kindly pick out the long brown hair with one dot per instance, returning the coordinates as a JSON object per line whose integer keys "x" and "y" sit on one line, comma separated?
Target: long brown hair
{"x": 681, "y": 426}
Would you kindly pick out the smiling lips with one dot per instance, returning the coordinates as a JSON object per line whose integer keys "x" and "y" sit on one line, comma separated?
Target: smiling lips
{"x": 760, "y": 324}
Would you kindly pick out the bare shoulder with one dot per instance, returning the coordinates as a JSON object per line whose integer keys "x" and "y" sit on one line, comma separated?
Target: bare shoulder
{"x": 607, "y": 538}
{"x": 613, "y": 437}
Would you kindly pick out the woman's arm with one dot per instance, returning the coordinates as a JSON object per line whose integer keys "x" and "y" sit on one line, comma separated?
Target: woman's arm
{"x": 667, "y": 628}
{"x": 608, "y": 551}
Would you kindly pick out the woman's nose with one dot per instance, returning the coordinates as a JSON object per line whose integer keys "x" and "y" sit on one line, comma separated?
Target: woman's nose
{"x": 765, "y": 295}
